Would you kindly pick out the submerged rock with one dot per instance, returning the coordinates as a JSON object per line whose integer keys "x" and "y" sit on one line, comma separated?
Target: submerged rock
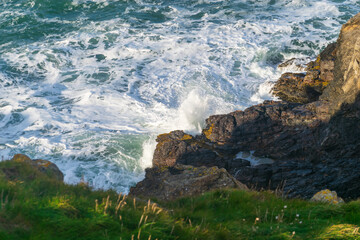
{"x": 168, "y": 183}
{"x": 327, "y": 196}
{"x": 43, "y": 166}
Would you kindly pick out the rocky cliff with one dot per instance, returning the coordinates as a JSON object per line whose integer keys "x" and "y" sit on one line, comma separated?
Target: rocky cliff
{"x": 303, "y": 144}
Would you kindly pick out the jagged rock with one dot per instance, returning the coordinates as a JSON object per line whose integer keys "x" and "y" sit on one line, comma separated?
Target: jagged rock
{"x": 304, "y": 178}
{"x": 287, "y": 88}
{"x": 340, "y": 137}
{"x": 305, "y": 88}
{"x": 327, "y": 63}
{"x": 43, "y": 166}
{"x": 178, "y": 147}
{"x": 346, "y": 88}
{"x": 272, "y": 129}
{"x": 313, "y": 145}
{"x": 168, "y": 183}
{"x": 327, "y": 196}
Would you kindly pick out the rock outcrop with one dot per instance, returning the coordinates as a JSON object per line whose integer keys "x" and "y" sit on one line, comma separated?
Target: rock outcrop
{"x": 178, "y": 147}
{"x": 312, "y": 136}
{"x": 43, "y": 166}
{"x": 345, "y": 90}
{"x": 169, "y": 183}
{"x": 307, "y": 87}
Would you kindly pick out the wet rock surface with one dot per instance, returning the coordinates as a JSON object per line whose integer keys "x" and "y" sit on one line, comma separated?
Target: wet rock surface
{"x": 313, "y": 138}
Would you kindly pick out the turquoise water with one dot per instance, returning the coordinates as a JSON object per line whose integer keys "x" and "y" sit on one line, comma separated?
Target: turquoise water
{"x": 89, "y": 84}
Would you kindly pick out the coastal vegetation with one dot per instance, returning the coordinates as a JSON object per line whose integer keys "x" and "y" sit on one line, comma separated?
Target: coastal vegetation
{"x": 36, "y": 205}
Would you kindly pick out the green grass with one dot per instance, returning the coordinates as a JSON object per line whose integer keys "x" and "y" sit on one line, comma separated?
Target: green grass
{"x": 34, "y": 206}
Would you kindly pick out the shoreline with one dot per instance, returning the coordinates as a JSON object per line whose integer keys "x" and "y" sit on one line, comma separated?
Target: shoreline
{"x": 311, "y": 136}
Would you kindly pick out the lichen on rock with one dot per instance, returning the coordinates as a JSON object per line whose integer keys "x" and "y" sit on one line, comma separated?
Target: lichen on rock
{"x": 327, "y": 196}
{"x": 307, "y": 87}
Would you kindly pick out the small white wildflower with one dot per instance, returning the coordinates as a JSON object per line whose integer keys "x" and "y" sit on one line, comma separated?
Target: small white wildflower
{"x": 300, "y": 222}
{"x": 297, "y": 215}
{"x": 276, "y": 217}
{"x": 285, "y": 206}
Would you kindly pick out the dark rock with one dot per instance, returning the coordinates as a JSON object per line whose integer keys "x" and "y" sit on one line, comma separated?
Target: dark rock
{"x": 304, "y": 179}
{"x": 179, "y": 148}
{"x": 272, "y": 129}
{"x": 238, "y": 163}
{"x": 313, "y": 139}
{"x": 168, "y": 183}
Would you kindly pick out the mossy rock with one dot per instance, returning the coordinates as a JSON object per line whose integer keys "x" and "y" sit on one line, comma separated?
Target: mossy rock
{"x": 43, "y": 166}
{"x": 21, "y": 158}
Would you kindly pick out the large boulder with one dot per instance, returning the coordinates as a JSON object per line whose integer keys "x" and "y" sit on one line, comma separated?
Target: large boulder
{"x": 168, "y": 183}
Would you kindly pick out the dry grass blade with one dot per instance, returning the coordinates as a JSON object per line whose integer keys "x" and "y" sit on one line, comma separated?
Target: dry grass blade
{"x": 142, "y": 217}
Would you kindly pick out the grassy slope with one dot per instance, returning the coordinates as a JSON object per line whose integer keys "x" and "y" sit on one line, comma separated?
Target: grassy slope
{"x": 33, "y": 206}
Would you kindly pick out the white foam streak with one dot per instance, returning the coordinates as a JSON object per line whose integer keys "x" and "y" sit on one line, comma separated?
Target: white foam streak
{"x": 148, "y": 149}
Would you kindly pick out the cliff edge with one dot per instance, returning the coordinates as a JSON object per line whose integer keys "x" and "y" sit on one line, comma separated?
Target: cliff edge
{"x": 303, "y": 144}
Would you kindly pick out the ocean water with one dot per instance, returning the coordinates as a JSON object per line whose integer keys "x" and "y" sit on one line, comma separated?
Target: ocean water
{"x": 89, "y": 84}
